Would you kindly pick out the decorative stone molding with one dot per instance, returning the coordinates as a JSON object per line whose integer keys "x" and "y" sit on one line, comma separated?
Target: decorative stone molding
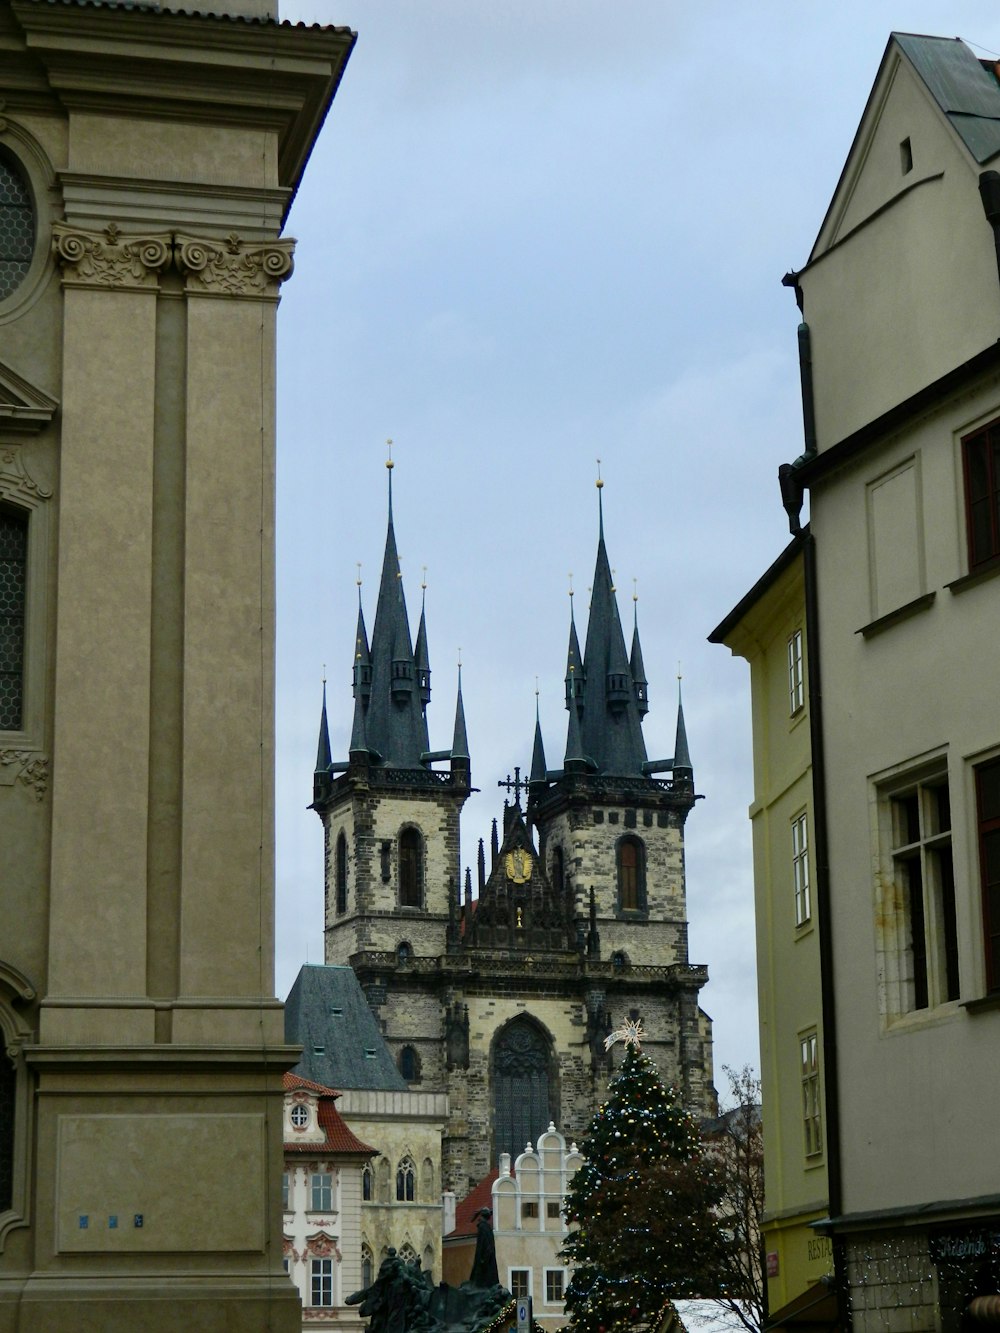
{"x": 109, "y": 259}
{"x": 322, "y": 1246}
{"x": 16, "y": 483}
{"x": 233, "y": 267}
{"x": 27, "y": 767}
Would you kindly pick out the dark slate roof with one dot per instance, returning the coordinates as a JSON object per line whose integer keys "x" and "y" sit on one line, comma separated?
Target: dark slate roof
{"x": 537, "y": 752}
{"x": 343, "y": 1038}
{"x": 323, "y": 756}
{"x": 964, "y": 88}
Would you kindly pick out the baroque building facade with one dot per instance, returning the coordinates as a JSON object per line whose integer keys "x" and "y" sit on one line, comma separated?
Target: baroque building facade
{"x": 148, "y": 159}
{"x": 502, "y": 1000}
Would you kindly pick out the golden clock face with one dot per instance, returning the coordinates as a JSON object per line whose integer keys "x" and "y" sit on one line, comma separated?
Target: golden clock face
{"x": 518, "y": 865}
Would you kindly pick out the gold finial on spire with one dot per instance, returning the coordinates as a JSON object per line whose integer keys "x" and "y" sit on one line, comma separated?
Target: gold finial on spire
{"x": 324, "y": 673}
{"x": 536, "y": 687}
{"x": 460, "y": 658}
{"x": 358, "y": 579}
{"x": 570, "y": 577}
{"x": 679, "y": 669}
{"x": 600, "y": 483}
{"x": 635, "y": 590}
{"x": 388, "y": 462}
{"x": 423, "y": 584}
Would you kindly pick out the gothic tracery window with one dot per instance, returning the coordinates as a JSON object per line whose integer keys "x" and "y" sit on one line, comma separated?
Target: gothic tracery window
{"x": 522, "y": 1091}
{"x": 13, "y": 589}
{"x": 406, "y": 1181}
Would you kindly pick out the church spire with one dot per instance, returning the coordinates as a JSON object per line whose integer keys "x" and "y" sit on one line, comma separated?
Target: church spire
{"x": 538, "y": 750}
{"x": 460, "y": 743}
{"x": 420, "y": 657}
{"x": 362, "y": 654}
{"x": 639, "y": 682}
{"x": 683, "y": 771}
{"x": 575, "y": 678}
{"x": 324, "y": 758}
{"x": 611, "y": 726}
{"x": 394, "y": 723}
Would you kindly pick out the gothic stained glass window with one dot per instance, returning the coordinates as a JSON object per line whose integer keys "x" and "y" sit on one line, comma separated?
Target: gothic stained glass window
{"x": 521, "y": 1106}
{"x": 8, "y": 1083}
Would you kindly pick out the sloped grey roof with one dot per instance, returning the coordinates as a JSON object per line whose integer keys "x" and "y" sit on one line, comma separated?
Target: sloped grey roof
{"x": 967, "y": 92}
{"x": 327, "y": 1013}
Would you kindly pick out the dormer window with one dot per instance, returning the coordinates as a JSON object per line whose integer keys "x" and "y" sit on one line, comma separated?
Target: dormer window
{"x": 905, "y": 157}
{"x": 300, "y": 1116}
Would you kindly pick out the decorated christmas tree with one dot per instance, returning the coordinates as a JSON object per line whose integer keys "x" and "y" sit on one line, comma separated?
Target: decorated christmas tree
{"x": 641, "y": 1205}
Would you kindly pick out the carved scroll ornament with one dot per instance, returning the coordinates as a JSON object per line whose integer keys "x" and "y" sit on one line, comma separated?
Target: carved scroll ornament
{"x": 233, "y": 267}
{"x": 107, "y": 258}
{"x": 27, "y": 767}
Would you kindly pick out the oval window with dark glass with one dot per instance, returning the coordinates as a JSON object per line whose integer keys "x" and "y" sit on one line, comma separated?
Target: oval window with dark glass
{"x": 17, "y": 226}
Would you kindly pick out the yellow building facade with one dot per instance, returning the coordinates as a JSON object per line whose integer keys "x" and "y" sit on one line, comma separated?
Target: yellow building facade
{"x": 768, "y": 629}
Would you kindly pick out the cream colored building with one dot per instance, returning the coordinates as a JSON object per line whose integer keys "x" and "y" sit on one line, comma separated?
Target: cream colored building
{"x": 768, "y": 628}
{"x": 900, "y": 300}
{"x": 147, "y": 162}
{"x": 321, "y": 1193}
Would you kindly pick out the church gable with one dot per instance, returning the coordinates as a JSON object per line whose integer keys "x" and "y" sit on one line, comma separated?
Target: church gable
{"x": 518, "y": 906}
{"x": 24, "y": 409}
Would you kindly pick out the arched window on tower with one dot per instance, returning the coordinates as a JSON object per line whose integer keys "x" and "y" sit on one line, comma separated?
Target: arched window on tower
{"x": 523, "y": 1101}
{"x": 367, "y": 1266}
{"x": 367, "y": 1185}
{"x": 341, "y": 874}
{"x": 558, "y": 870}
{"x": 409, "y": 1064}
{"x": 411, "y": 868}
{"x": 631, "y": 876}
{"x": 406, "y": 1181}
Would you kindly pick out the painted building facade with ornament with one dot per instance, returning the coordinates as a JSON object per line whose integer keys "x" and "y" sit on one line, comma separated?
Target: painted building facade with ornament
{"x": 501, "y": 998}
{"x": 321, "y": 1192}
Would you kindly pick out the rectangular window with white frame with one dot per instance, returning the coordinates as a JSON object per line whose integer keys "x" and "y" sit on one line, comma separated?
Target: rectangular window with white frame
{"x": 321, "y": 1282}
{"x": 800, "y": 869}
{"x": 812, "y": 1116}
{"x": 915, "y": 895}
{"x": 321, "y": 1192}
{"x": 519, "y": 1283}
{"x": 555, "y": 1286}
{"x": 796, "y": 675}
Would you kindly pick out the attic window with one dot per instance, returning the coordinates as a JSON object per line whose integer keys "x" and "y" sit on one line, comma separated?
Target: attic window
{"x": 369, "y": 1052}
{"x": 905, "y": 156}
{"x": 336, "y": 1011}
{"x": 319, "y": 1050}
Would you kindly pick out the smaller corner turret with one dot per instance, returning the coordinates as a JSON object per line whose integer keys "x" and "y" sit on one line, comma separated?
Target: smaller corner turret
{"x": 322, "y": 776}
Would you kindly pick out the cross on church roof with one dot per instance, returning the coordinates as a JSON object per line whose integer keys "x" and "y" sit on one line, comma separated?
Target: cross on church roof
{"x": 514, "y": 784}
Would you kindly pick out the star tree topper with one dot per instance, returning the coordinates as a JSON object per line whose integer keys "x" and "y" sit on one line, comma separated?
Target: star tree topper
{"x": 630, "y": 1033}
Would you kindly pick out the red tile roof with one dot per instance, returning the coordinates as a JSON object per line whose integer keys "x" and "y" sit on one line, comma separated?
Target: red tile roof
{"x": 480, "y": 1197}
{"x": 339, "y": 1139}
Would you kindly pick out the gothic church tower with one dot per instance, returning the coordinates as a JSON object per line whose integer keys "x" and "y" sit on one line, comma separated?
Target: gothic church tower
{"x": 503, "y": 1001}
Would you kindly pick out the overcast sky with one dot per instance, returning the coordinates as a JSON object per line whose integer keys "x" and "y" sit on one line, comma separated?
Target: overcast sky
{"x": 532, "y": 235}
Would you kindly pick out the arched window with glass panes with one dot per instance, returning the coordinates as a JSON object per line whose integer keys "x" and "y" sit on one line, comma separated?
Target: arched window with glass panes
{"x": 406, "y": 1181}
